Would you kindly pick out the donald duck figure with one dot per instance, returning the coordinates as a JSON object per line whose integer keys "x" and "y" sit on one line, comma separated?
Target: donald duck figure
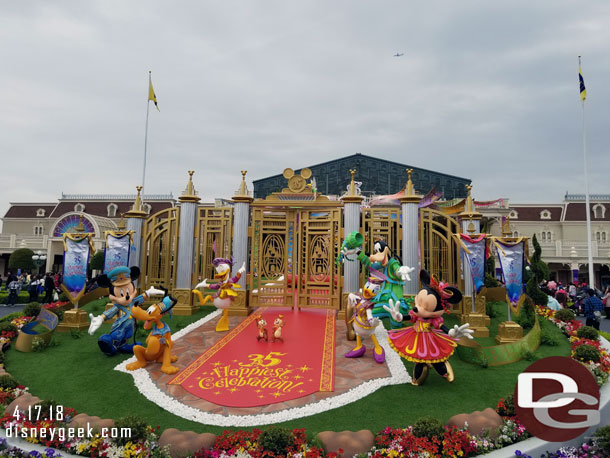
{"x": 225, "y": 287}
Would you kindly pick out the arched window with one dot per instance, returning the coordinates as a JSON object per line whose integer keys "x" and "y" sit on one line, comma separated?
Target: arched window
{"x": 147, "y": 208}
{"x": 599, "y": 211}
{"x": 40, "y": 212}
{"x": 549, "y": 236}
{"x": 79, "y": 208}
{"x": 515, "y": 234}
{"x": 543, "y": 236}
{"x": 112, "y": 208}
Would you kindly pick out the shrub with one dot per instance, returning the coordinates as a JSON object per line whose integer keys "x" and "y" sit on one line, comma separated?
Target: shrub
{"x": 138, "y": 429}
{"x": 527, "y": 315}
{"x": 8, "y": 382}
{"x": 602, "y": 437}
{"x": 428, "y": 427}
{"x": 529, "y": 355}
{"x": 539, "y": 271}
{"x": 548, "y": 338}
{"x": 21, "y": 258}
{"x": 32, "y": 309}
{"x": 565, "y": 315}
{"x": 63, "y": 297}
{"x": 276, "y": 440}
{"x": 8, "y": 326}
{"x": 587, "y": 353}
{"x": 588, "y": 332}
{"x": 97, "y": 261}
{"x": 490, "y": 310}
{"x": 490, "y": 281}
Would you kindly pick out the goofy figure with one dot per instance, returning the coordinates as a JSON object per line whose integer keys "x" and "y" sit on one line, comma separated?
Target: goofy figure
{"x": 122, "y": 293}
{"x": 226, "y": 290}
{"x": 393, "y": 275}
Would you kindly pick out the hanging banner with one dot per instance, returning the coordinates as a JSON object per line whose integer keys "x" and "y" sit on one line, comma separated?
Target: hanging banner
{"x": 77, "y": 248}
{"x": 117, "y": 249}
{"x": 474, "y": 252}
{"x": 511, "y": 254}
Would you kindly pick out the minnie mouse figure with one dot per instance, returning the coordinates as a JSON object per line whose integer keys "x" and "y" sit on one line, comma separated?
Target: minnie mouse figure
{"x": 428, "y": 342}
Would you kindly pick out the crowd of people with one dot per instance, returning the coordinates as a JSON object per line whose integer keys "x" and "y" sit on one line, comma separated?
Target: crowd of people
{"x": 42, "y": 288}
{"x": 582, "y": 299}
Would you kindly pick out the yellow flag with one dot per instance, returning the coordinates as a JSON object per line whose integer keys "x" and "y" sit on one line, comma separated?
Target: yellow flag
{"x": 151, "y": 94}
{"x": 583, "y": 91}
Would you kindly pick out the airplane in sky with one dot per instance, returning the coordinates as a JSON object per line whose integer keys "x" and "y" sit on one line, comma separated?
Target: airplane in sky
{"x": 398, "y": 54}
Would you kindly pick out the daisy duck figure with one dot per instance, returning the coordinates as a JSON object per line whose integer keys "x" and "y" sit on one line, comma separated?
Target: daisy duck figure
{"x": 225, "y": 287}
{"x": 394, "y": 274}
{"x": 428, "y": 343}
{"x": 362, "y": 317}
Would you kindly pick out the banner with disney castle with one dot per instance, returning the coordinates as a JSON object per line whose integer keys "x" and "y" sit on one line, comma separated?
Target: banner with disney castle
{"x": 118, "y": 249}
{"x": 77, "y": 248}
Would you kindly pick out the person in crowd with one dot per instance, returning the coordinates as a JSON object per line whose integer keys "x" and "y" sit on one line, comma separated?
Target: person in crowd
{"x": 33, "y": 288}
{"x": 49, "y": 288}
{"x": 562, "y": 298}
{"x": 572, "y": 291}
{"x": 593, "y": 309}
{"x": 13, "y": 291}
{"x": 606, "y": 302}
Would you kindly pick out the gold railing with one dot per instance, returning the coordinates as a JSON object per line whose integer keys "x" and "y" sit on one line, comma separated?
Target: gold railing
{"x": 160, "y": 249}
{"x": 213, "y": 237}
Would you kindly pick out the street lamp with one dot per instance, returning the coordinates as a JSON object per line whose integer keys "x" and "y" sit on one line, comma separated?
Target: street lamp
{"x": 39, "y": 259}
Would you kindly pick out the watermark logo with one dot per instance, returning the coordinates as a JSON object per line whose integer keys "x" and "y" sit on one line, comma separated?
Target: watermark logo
{"x": 557, "y": 399}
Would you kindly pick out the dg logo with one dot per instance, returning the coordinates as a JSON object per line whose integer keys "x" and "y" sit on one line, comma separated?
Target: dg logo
{"x": 557, "y": 399}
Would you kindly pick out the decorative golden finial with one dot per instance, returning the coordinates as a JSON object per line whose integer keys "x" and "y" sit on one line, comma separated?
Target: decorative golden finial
{"x": 410, "y": 190}
{"x": 506, "y": 230}
{"x": 81, "y": 227}
{"x": 138, "y": 203}
{"x": 189, "y": 194}
{"x": 352, "y": 185}
{"x": 121, "y": 224}
{"x": 469, "y": 204}
{"x": 137, "y": 211}
{"x": 242, "y": 194}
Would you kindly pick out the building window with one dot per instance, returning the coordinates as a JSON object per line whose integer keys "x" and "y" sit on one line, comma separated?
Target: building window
{"x": 79, "y": 208}
{"x": 38, "y": 230}
{"x": 545, "y": 214}
{"x": 147, "y": 208}
{"x": 40, "y": 212}
{"x": 515, "y": 234}
{"x": 600, "y": 236}
{"x": 599, "y": 211}
{"x": 112, "y": 208}
{"x": 513, "y": 214}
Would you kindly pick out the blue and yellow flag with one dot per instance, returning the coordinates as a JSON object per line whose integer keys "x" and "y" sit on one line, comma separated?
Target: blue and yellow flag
{"x": 583, "y": 90}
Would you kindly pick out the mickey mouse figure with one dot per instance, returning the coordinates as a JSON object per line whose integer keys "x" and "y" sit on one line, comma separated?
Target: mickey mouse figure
{"x": 122, "y": 293}
{"x": 428, "y": 343}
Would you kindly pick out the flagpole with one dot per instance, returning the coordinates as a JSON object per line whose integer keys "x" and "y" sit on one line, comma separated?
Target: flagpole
{"x": 587, "y": 203}
{"x": 146, "y": 135}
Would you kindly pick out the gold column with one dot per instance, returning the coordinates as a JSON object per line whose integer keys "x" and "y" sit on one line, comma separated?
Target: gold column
{"x": 478, "y": 319}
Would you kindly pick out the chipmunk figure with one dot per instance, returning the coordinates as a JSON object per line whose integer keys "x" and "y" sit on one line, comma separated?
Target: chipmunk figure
{"x": 278, "y": 324}
{"x": 263, "y": 334}
{"x": 428, "y": 343}
{"x": 159, "y": 342}
{"x": 226, "y": 286}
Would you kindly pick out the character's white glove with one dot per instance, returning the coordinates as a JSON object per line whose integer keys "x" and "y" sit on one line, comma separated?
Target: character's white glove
{"x": 404, "y": 272}
{"x": 346, "y": 251}
{"x": 393, "y": 310}
{"x": 203, "y": 284}
{"x": 457, "y": 332}
{"x": 152, "y": 291}
{"x": 242, "y": 269}
{"x": 374, "y": 322}
{"x": 96, "y": 322}
{"x": 353, "y": 299}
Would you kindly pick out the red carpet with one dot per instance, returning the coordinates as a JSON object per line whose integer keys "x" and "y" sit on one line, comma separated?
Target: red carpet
{"x": 239, "y": 371}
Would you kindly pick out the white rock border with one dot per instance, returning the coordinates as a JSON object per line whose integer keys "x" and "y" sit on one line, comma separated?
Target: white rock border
{"x": 147, "y": 387}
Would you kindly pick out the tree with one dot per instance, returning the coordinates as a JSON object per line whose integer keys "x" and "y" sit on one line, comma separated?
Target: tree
{"x": 539, "y": 271}
{"x": 21, "y": 258}
{"x": 97, "y": 261}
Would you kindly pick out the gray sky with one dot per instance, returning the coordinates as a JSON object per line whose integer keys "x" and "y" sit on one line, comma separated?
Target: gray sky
{"x": 485, "y": 90}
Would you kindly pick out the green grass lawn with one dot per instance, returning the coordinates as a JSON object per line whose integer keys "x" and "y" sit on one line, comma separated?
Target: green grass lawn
{"x": 75, "y": 373}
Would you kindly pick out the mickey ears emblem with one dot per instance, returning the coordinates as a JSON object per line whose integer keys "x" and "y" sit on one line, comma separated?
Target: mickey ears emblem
{"x": 289, "y": 173}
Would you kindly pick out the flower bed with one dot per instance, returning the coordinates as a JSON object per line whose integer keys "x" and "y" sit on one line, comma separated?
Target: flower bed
{"x": 598, "y": 361}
